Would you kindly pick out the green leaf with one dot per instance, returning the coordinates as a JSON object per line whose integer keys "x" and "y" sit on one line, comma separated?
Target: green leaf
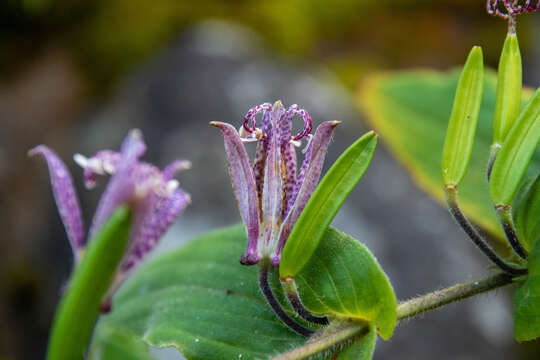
{"x": 344, "y": 280}
{"x": 79, "y": 308}
{"x": 527, "y": 301}
{"x": 201, "y": 301}
{"x": 410, "y": 111}
{"x": 526, "y": 213}
{"x": 509, "y": 84}
{"x": 459, "y": 139}
{"x": 325, "y": 202}
{"x": 362, "y": 349}
{"x": 118, "y": 344}
{"x": 516, "y": 154}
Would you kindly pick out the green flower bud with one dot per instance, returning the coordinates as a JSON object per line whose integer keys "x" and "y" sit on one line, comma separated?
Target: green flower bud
{"x": 462, "y": 125}
{"x": 516, "y": 154}
{"x": 509, "y": 84}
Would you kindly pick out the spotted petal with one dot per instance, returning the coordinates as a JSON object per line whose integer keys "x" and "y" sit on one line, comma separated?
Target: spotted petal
{"x": 155, "y": 226}
{"x": 121, "y": 186}
{"x": 65, "y": 197}
{"x": 243, "y": 183}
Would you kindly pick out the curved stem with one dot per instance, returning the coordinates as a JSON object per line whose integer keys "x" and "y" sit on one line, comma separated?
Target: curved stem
{"x": 477, "y": 239}
{"x": 294, "y": 299}
{"x": 274, "y": 303}
{"x": 505, "y": 217}
{"x": 405, "y": 310}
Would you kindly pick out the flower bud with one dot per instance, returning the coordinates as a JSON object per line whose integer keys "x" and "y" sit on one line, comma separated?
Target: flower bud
{"x": 462, "y": 125}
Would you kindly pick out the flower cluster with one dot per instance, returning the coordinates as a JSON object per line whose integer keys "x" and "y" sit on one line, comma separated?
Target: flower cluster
{"x": 153, "y": 195}
{"x": 271, "y": 193}
{"x": 511, "y": 8}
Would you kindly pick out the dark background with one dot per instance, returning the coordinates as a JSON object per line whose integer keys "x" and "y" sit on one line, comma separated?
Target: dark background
{"x": 76, "y": 75}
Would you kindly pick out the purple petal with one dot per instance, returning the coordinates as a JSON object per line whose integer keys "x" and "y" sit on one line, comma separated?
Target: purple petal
{"x": 157, "y": 222}
{"x": 307, "y": 182}
{"x": 288, "y": 157}
{"x": 260, "y": 156}
{"x": 272, "y": 195}
{"x": 65, "y": 197}
{"x": 177, "y": 165}
{"x": 244, "y": 188}
{"x": 121, "y": 186}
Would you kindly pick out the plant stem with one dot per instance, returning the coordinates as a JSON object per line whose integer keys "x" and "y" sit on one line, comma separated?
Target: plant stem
{"x": 439, "y": 298}
{"x": 505, "y": 217}
{"x": 292, "y": 294}
{"x": 405, "y": 309}
{"x": 324, "y": 343}
{"x": 274, "y": 303}
{"x": 477, "y": 239}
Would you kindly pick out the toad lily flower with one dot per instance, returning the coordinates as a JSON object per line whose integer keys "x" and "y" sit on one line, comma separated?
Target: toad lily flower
{"x": 270, "y": 193}
{"x": 152, "y": 194}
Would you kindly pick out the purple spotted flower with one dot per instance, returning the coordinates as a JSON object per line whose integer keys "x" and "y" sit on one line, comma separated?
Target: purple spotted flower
{"x": 151, "y": 193}
{"x": 270, "y": 193}
{"x": 508, "y": 8}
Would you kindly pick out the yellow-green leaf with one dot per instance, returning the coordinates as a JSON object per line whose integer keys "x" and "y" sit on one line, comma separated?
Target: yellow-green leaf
{"x": 410, "y": 110}
{"x": 344, "y": 280}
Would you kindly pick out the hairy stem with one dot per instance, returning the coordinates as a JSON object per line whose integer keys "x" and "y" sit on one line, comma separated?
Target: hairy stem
{"x": 477, "y": 239}
{"x": 505, "y": 217}
{"x": 353, "y": 332}
{"x": 274, "y": 303}
{"x": 294, "y": 299}
{"x": 405, "y": 309}
{"x": 439, "y": 298}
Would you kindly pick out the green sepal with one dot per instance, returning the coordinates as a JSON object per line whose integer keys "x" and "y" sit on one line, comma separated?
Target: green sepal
{"x": 79, "y": 308}
{"x": 325, "y": 202}
{"x": 527, "y": 213}
{"x": 516, "y": 153}
{"x": 527, "y": 300}
{"x": 459, "y": 139}
{"x": 344, "y": 280}
{"x": 509, "y": 85}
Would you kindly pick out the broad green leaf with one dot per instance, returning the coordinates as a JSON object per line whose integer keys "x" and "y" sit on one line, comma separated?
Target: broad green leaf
{"x": 509, "y": 84}
{"x": 527, "y": 213}
{"x": 325, "y": 202}
{"x": 118, "y": 344}
{"x": 410, "y": 110}
{"x": 527, "y": 301}
{"x": 79, "y": 308}
{"x": 344, "y": 280}
{"x": 362, "y": 349}
{"x": 201, "y": 301}
{"x": 459, "y": 138}
{"x": 516, "y": 154}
